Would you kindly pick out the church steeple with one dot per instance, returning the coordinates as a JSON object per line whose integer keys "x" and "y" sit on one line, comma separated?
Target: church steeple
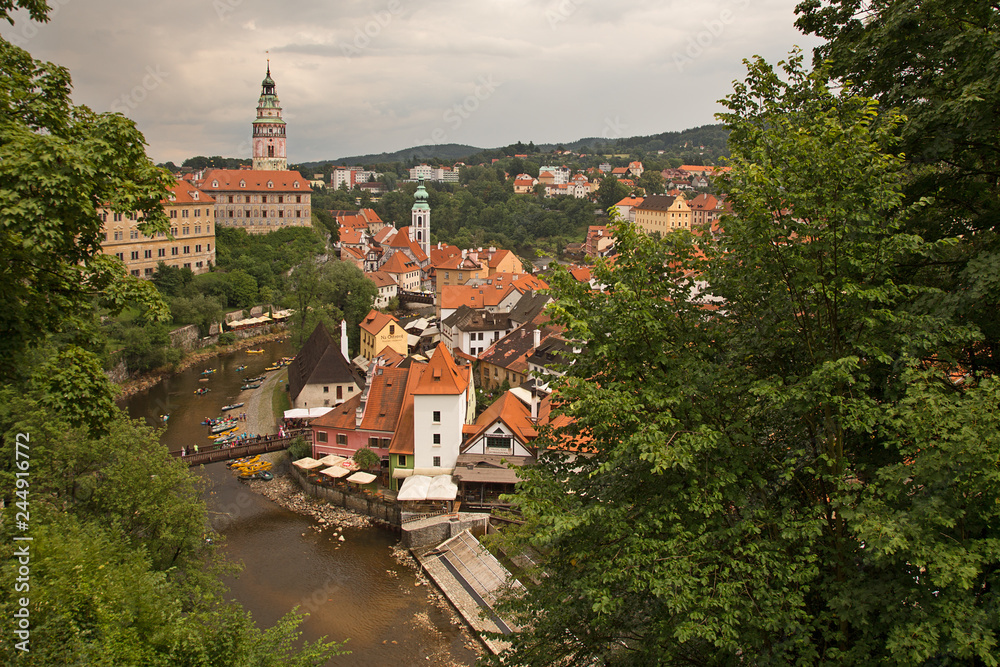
{"x": 269, "y": 129}
{"x": 420, "y": 219}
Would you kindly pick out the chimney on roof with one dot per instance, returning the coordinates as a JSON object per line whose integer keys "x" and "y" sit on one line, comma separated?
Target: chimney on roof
{"x": 343, "y": 340}
{"x": 538, "y": 337}
{"x": 464, "y": 253}
{"x": 534, "y": 404}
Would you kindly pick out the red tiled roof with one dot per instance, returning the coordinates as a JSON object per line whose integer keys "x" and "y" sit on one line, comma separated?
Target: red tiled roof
{"x": 385, "y": 399}
{"x": 380, "y": 278}
{"x": 399, "y": 263}
{"x": 230, "y": 179}
{"x": 402, "y": 439}
{"x": 185, "y": 193}
{"x": 375, "y": 321}
{"x": 443, "y": 375}
{"x": 512, "y": 412}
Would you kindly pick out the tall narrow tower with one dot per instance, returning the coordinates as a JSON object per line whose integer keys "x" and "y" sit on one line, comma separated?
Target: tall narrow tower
{"x": 269, "y": 130}
{"x": 420, "y": 219}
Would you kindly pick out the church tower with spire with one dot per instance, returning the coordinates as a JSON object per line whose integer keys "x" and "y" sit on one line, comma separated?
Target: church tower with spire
{"x": 420, "y": 219}
{"x": 269, "y": 130}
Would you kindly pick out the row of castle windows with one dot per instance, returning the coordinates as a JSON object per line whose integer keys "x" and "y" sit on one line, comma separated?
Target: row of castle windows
{"x": 134, "y": 234}
{"x": 162, "y": 252}
{"x": 256, "y": 199}
{"x": 245, "y": 213}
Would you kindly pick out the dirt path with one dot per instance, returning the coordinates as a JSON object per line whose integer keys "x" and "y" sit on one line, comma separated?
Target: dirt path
{"x": 260, "y": 414}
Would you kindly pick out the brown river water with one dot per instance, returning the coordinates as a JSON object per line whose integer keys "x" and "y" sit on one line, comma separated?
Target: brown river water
{"x": 353, "y": 590}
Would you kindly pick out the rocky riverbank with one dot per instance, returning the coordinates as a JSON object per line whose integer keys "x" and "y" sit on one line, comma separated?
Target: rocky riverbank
{"x": 147, "y": 380}
{"x": 284, "y": 491}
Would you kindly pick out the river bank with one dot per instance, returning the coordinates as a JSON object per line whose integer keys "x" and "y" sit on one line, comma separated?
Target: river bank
{"x": 147, "y": 380}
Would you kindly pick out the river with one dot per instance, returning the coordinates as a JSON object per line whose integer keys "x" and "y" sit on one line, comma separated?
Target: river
{"x": 353, "y": 590}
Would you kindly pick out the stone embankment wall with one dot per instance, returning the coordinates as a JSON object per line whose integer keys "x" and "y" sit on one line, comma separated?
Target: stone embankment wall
{"x": 425, "y": 532}
{"x": 432, "y": 532}
{"x": 376, "y": 508}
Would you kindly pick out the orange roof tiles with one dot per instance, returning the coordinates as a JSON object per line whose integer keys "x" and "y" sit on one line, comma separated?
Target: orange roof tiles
{"x": 443, "y": 375}
{"x": 253, "y": 180}
{"x": 512, "y": 412}
{"x": 185, "y": 193}
{"x": 400, "y": 263}
{"x": 375, "y": 321}
{"x": 380, "y": 278}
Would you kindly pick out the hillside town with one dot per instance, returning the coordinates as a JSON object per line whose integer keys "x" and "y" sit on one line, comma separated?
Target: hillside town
{"x": 717, "y": 395}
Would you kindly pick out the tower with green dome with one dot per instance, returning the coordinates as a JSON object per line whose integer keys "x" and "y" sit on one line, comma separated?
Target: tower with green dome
{"x": 420, "y": 219}
{"x": 269, "y": 130}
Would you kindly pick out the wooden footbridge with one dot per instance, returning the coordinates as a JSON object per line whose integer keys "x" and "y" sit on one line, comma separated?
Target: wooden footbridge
{"x": 259, "y": 445}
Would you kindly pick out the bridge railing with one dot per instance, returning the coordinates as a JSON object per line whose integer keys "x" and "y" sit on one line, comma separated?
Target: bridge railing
{"x": 259, "y": 445}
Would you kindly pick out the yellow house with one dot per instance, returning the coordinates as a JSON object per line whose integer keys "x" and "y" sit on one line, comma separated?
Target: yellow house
{"x": 663, "y": 213}
{"x": 379, "y": 331}
{"x": 189, "y": 245}
{"x": 504, "y": 261}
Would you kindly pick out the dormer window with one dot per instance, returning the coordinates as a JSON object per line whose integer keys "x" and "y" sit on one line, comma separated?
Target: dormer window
{"x": 194, "y": 195}
{"x": 270, "y": 184}
{"x": 295, "y": 184}
{"x": 243, "y": 184}
{"x": 215, "y": 184}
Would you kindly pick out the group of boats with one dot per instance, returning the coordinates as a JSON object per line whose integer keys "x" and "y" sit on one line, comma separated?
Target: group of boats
{"x": 252, "y": 467}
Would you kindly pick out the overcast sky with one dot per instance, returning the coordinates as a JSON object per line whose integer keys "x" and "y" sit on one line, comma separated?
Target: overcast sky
{"x": 359, "y": 76}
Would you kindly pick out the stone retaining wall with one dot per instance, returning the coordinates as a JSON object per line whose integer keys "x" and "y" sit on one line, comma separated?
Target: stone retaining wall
{"x": 376, "y": 508}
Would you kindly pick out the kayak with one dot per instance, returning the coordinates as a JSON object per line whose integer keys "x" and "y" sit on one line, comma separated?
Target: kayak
{"x": 231, "y": 406}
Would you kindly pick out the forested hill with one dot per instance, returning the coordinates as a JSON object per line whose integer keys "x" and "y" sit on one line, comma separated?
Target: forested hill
{"x": 711, "y": 137}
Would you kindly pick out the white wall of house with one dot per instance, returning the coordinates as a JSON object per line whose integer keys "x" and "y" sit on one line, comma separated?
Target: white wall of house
{"x": 324, "y": 395}
{"x": 452, "y": 412}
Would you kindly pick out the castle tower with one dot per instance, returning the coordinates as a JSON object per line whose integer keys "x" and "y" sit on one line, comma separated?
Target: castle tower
{"x": 269, "y": 130}
{"x": 420, "y": 219}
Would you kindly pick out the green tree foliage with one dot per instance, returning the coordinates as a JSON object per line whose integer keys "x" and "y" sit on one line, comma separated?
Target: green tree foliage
{"x": 121, "y": 570}
{"x": 51, "y": 233}
{"x": 201, "y": 310}
{"x": 610, "y": 192}
{"x": 793, "y": 475}
{"x": 651, "y": 181}
{"x": 934, "y": 61}
{"x": 328, "y": 293}
{"x": 171, "y": 280}
{"x": 241, "y": 289}
{"x": 366, "y": 459}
